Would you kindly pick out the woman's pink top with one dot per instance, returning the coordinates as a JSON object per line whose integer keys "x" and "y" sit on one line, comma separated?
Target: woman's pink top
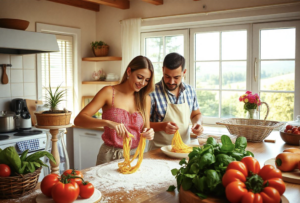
{"x": 133, "y": 122}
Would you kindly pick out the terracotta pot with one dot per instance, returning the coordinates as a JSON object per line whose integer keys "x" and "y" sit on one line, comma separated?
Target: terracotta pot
{"x": 55, "y": 119}
{"x": 101, "y": 51}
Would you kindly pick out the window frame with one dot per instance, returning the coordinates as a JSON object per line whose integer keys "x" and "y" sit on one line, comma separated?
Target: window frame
{"x": 184, "y": 32}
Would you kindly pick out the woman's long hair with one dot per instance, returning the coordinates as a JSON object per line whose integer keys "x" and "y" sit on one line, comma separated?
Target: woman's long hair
{"x": 141, "y": 62}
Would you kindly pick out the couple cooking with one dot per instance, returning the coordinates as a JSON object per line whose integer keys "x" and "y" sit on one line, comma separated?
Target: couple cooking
{"x": 142, "y": 108}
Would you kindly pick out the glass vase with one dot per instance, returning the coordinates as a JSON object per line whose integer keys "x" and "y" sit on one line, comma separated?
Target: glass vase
{"x": 251, "y": 114}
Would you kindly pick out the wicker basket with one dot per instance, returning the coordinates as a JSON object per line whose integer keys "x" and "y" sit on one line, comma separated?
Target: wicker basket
{"x": 254, "y": 130}
{"x": 17, "y": 186}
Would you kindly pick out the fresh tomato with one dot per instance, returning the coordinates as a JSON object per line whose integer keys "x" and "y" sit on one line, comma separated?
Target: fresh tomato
{"x": 299, "y": 128}
{"x": 294, "y": 130}
{"x": 289, "y": 127}
{"x": 73, "y": 172}
{"x": 48, "y": 182}
{"x": 260, "y": 186}
{"x": 238, "y": 166}
{"x": 65, "y": 192}
{"x": 86, "y": 190}
{"x": 251, "y": 164}
{"x": 4, "y": 170}
{"x": 289, "y": 131}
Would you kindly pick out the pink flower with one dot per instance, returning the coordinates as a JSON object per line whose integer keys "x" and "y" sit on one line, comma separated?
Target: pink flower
{"x": 248, "y": 92}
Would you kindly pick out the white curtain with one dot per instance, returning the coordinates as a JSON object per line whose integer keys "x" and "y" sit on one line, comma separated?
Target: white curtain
{"x": 130, "y": 30}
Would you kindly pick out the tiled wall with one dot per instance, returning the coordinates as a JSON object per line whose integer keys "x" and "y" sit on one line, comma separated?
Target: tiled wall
{"x": 21, "y": 78}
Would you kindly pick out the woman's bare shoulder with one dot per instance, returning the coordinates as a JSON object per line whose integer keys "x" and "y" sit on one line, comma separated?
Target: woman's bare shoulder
{"x": 105, "y": 92}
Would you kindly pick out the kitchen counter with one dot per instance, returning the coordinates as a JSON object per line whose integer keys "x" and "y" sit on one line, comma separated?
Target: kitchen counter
{"x": 79, "y": 127}
{"x": 262, "y": 151}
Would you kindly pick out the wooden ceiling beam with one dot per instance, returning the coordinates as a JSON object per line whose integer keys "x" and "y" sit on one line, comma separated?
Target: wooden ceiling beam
{"x": 80, "y": 4}
{"x": 122, "y": 4}
{"x": 155, "y": 2}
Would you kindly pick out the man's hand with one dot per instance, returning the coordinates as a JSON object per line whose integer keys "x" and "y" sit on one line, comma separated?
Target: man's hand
{"x": 197, "y": 129}
{"x": 171, "y": 128}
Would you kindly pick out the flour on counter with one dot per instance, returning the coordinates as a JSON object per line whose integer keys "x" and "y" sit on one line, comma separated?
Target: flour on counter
{"x": 152, "y": 172}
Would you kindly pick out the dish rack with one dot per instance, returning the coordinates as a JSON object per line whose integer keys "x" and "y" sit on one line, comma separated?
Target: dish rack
{"x": 253, "y": 129}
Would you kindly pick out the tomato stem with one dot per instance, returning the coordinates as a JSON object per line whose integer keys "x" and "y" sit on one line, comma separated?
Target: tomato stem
{"x": 278, "y": 162}
{"x": 254, "y": 183}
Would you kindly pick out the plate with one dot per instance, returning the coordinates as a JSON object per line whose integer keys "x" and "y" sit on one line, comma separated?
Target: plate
{"x": 290, "y": 177}
{"x": 167, "y": 151}
{"x": 96, "y": 197}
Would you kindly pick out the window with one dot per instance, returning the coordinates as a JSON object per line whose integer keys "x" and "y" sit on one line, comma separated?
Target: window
{"x": 57, "y": 70}
{"x": 226, "y": 61}
{"x": 157, "y": 45}
{"x": 219, "y": 74}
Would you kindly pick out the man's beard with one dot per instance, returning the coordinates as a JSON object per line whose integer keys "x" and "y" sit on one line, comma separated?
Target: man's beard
{"x": 172, "y": 89}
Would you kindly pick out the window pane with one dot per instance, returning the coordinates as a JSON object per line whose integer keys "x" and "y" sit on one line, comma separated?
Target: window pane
{"x": 234, "y": 45}
{"x": 207, "y": 75}
{"x": 208, "y": 102}
{"x": 154, "y": 49}
{"x": 234, "y": 75}
{"x": 278, "y": 44}
{"x": 174, "y": 44}
{"x": 231, "y": 106}
{"x": 157, "y": 71}
{"x": 281, "y": 105}
{"x": 277, "y": 75}
{"x": 207, "y": 46}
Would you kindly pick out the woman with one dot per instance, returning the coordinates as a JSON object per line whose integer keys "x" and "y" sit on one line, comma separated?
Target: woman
{"x": 126, "y": 108}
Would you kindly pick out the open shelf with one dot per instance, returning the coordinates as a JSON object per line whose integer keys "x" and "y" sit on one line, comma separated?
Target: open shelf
{"x": 103, "y": 58}
{"x": 97, "y": 82}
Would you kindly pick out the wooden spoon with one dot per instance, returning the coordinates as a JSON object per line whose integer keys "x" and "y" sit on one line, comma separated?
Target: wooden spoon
{"x": 4, "y": 75}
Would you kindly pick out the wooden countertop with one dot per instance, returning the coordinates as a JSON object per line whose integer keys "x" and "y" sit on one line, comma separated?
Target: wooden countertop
{"x": 262, "y": 151}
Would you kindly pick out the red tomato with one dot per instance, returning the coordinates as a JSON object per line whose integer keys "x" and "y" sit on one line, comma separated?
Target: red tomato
{"x": 289, "y": 131}
{"x": 270, "y": 195}
{"x": 4, "y": 170}
{"x": 238, "y": 166}
{"x": 298, "y": 132}
{"x": 65, "y": 192}
{"x": 294, "y": 130}
{"x": 233, "y": 175}
{"x": 268, "y": 172}
{"x": 276, "y": 183}
{"x": 251, "y": 197}
{"x": 251, "y": 164}
{"x": 73, "y": 172}
{"x": 299, "y": 128}
{"x": 48, "y": 182}
{"x": 289, "y": 127}
{"x": 86, "y": 190}
{"x": 235, "y": 191}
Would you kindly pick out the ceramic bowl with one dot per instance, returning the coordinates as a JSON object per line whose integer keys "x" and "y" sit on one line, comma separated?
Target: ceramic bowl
{"x": 14, "y": 23}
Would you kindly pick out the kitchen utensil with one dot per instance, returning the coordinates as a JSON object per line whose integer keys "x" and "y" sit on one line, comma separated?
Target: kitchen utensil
{"x": 167, "y": 151}
{"x": 7, "y": 122}
{"x": 4, "y": 75}
{"x": 32, "y": 106}
{"x": 14, "y": 23}
{"x": 291, "y": 176}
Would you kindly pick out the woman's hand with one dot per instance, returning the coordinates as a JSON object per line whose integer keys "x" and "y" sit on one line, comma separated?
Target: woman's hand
{"x": 119, "y": 128}
{"x": 148, "y": 133}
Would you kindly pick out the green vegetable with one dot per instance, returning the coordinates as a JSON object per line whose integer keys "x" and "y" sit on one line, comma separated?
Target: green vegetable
{"x": 23, "y": 164}
{"x": 203, "y": 173}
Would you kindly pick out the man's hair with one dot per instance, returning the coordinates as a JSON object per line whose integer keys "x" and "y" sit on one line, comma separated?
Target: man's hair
{"x": 173, "y": 61}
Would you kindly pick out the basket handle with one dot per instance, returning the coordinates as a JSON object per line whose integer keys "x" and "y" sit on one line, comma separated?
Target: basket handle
{"x": 268, "y": 109}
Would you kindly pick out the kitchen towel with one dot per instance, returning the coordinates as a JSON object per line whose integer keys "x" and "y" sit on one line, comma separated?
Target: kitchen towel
{"x": 31, "y": 145}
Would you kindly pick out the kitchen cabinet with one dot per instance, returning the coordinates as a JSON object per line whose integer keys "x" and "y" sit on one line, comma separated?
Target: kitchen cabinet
{"x": 86, "y": 144}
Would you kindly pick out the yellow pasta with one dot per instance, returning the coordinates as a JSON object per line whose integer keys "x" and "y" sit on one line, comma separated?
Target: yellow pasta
{"x": 125, "y": 167}
{"x": 178, "y": 145}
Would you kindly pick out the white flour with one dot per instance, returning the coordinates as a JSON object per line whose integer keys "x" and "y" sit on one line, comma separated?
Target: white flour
{"x": 151, "y": 174}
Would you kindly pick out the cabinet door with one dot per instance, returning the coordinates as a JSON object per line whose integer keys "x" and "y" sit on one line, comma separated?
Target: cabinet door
{"x": 86, "y": 147}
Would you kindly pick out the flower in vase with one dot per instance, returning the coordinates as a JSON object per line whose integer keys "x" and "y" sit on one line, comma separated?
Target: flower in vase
{"x": 251, "y": 100}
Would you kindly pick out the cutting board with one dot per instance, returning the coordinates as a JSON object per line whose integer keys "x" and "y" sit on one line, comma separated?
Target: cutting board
{"x": 31, "y": 106}
{"x": 96, "y": 197}
{"x": 189, "y": 197}
{"x": 290, "y": 177}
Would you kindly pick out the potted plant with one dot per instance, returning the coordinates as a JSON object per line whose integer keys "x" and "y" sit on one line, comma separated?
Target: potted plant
{"x": 100, "y": 48}
{"x": 53, "y": 117}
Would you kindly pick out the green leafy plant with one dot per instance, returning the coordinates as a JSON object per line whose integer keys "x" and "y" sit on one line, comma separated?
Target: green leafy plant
{"x": 23, "y": 164}
{"x": 202, "y": 173}
{"x": 54, "y": 98}
{"x": 98, "y": 44}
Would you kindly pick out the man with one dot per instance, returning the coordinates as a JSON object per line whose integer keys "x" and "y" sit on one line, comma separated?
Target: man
{"x": 173, "y": 105}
